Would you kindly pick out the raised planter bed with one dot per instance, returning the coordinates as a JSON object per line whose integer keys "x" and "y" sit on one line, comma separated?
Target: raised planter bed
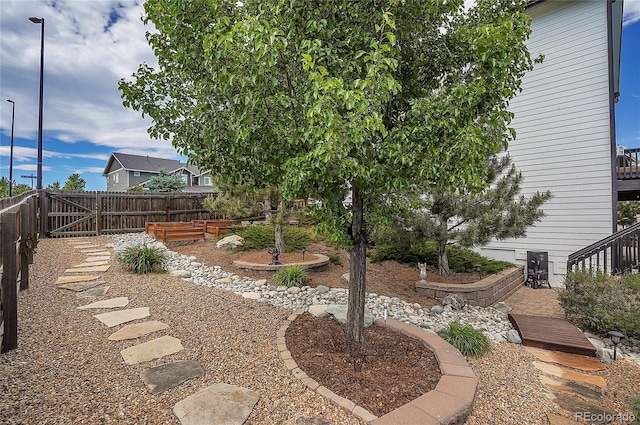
{"x": 215, "y": 227}
{"x": 450, "y": 403}
{"x": 174, "y": 231}
{"x": 483, "y": 293}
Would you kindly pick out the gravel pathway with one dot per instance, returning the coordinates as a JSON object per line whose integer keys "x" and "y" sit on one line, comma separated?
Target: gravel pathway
{"x": 65, "y": 371}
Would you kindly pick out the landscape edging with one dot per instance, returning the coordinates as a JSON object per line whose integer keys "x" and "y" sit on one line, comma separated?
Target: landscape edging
{"x": 448, "y": 404}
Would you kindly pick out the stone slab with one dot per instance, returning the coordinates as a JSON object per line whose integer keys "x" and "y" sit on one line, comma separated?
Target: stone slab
{"x": 93, "y": 251}
{"x": 93, "y": 292}
{"x": 86, "y": 246}
{"x": 575, "y": 405}
{"x": 218, "y": 404}
{"x": 588, "y": 364}
{"x": 93, "y": 269}
{"x": 114, "y": 318}
{"x": 70, "y": 279}
{"x": 570, "y": 375}
{"x": 97, "y": 253}
{"x": 150, "y": 350}
{"x": 81, "y": 286}
{"x": 169, "y": 375}
{"x": 559, "y": 384}
{"x": 137, "y": 330}
{"x": 110, "y": 303}
{"x": 92, "y": 264}
{"x": 92, "y": 258}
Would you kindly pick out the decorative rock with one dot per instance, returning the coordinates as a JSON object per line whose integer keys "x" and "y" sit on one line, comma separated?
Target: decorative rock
{"x": 252, "y": 295}
{"x": 514, "y": 337}
{"x": 502, "y": 307}
{"x": 223, "y": 281}
{"x": 318, "y": 310}
{"x": 597, "y": 343}
{"x": 339, "y": 313}
{"x": 180, "y": 273}
{"x": 170, "y": 375}
{"x": 293, "y": 290}
{"x": 345, "y": 277}
{"x": 111, "y": 303}
{"x": 456, "y": 301}
{"x": 150, "y": 350}
{"x": 137, "y": 330}
{"x": 230, "y": 242}
{"x": 321, "y": 289}
{"x": 218, "y": 404}
{"x": 260, "y": 282}
{"x": 437, "y": 309}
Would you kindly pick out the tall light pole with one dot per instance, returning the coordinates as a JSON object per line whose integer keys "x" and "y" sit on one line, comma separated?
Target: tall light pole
{"x": 13, "y": 117}
{"x": 39, "y": 166}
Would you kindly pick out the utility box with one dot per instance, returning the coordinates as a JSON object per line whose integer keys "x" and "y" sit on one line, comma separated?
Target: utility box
{"x": 537, "y": 269}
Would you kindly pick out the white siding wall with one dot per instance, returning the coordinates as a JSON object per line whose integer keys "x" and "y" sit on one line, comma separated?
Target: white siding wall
{"x": 563, "y": 139}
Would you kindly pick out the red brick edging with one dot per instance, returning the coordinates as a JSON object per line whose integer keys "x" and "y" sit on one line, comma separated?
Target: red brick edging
{"x": 449, "y": 403}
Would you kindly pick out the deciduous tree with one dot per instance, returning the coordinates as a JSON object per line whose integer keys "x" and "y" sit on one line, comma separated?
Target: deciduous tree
{"x": 330, "y": 98}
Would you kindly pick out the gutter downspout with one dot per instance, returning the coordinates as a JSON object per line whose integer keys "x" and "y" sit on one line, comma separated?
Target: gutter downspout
{"x": 612, "y": 118}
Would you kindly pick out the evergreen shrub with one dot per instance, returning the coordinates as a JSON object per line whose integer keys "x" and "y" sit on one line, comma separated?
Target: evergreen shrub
{"x": 262, "y": 236}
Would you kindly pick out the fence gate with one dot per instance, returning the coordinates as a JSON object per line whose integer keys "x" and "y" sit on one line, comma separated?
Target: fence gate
{"x": 71, "y": 213}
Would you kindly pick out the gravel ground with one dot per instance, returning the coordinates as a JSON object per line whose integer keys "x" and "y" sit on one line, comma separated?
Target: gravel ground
{"x": 65, "y": 371}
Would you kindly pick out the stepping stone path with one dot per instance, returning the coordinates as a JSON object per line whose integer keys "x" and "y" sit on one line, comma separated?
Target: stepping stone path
{"x": 218, "y": 404}
{"x": 570, "y": 385}
{"x": 170, "y": 375}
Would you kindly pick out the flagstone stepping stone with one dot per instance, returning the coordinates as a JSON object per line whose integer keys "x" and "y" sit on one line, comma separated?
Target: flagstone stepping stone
{"x": 559, "y": 384}
{"x": 561, "y": 420}
{"x": 92, "y": 264}
{"x": 86, "y": 246}
{"x": 98, "y": 258}
{"x": 70, "y": 279}
{"x": 151, "y": 350}
{"x": 571, "y": 375}
{"x": 137, "y": 330}
{"x": 575, "y": 405}
{"x": 575, "y": 361}
{"x": 81, "y": 286}
{"x": 119, "y": 317}
{"x": 94, "y": 292}
{"x": 218, "y": 404}
{"x": 89, "y": 269}
{"x": 97, "y": 253}
{"x": 170, "y": 375}
{"x": 110, "y": 303}
{"x": 93, "y": 251}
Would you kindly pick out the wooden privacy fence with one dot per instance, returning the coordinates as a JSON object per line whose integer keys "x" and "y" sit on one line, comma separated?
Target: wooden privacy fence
{"x": 19, "y": 237}
{"x": 96, "y": 213}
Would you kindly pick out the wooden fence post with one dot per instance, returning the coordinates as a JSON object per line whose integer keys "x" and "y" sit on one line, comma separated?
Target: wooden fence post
{"x": 9, "y": 281}
{"x": 25, "y": 258}
{"x": 98, "y": 213}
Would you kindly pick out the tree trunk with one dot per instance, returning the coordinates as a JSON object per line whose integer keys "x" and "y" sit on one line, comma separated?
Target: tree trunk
{"x": 279, "y": 237}
{"x": 443, "y": 261}
{"x": 267, "y": 209}
{"x": 357, "y": 270}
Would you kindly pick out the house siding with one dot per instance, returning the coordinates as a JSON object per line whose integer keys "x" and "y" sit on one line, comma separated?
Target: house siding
{"x": 563, "y": 133}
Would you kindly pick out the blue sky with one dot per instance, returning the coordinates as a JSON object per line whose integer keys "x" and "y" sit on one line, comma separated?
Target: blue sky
{"x": 90, "y": 45}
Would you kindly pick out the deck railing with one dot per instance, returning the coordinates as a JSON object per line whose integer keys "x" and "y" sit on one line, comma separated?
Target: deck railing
{"x": 615, "y": 254}
{"x": 629, "y": 164}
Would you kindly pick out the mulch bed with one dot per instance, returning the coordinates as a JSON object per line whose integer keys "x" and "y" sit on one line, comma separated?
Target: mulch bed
{"x": 387, "y": 371}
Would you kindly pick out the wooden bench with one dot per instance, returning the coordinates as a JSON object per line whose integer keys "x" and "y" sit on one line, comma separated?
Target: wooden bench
{"x": 215, "y": 227}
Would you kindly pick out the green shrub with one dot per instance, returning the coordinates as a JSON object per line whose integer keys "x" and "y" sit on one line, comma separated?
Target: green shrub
{"x": 635, "y": 409}
{"x": 335, "y": 259}
{"x": 143, "y": 259}
{"x": 294, "y": 275}
{"x": 471, "y": 342}
{"x": 601, "y": 303}
{"x": 427, "y": 252}
{"x": 263, "y": 236}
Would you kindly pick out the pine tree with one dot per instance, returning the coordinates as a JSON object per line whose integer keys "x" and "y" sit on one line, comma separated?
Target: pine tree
{"x": 165, "y": 182}
{"x": 74, "y": 183}
{"x": 469, "y": 219}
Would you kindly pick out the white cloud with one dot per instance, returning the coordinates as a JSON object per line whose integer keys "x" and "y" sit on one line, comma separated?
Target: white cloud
{"x": 631, "y": 12}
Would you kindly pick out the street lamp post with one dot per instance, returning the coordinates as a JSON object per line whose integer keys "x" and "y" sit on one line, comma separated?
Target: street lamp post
{"x": 39, "y": 164}
{"x": 13, "y": 117}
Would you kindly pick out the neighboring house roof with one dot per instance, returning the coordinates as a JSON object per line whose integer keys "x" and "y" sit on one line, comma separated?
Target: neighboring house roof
{"x": 148, "y": 164}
